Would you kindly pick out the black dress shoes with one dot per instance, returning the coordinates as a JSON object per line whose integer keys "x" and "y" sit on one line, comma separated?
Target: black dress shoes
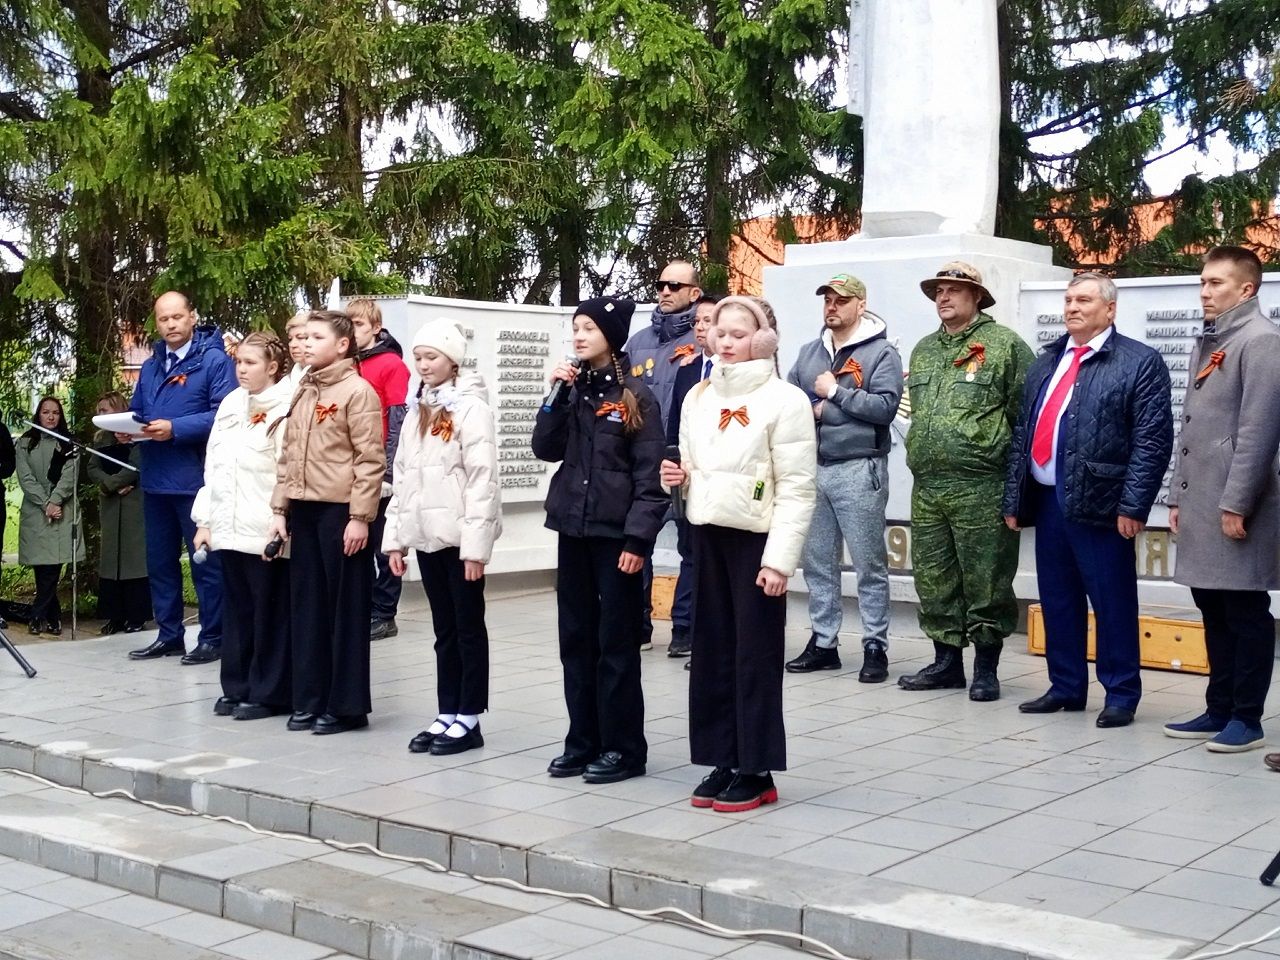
{"x": 111, "y": 627}
{"x": 328, "y": 723}
{"x": 1114, "y": 717}
{"x": 611, "y": 767}
{"x": 301, "y": 720}
{"x": 158, "y": 648}
{"x": 422, "y": 742}
{"x": 203, "y": 653}
{"x": 225, "y": 707}
{"x": 134, "y": 627}
{"x": 53, "y": 628}
{"x": 255, "y": 711}
{"x": 445, "y": 745}
{"x": 1051, "y": 703}
{"x": 568, "y": 765}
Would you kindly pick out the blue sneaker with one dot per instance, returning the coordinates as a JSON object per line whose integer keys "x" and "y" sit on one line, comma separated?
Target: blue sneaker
{"x": 1237, "y": 737}
{"x": 1201, "y": 728}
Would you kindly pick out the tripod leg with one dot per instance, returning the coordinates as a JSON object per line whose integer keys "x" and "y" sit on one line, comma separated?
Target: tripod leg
{"x": 1273, "y": 870}
{"x": 16, "y": 654}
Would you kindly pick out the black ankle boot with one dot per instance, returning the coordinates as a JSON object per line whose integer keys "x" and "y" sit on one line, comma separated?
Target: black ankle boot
{"x": 945, "y": 673}
{"x": 986, "y": 685}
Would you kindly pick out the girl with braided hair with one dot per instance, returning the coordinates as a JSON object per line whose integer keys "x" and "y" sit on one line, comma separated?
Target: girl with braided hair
{"x": 232, "y": 514}
{"x": 607, "y": 505}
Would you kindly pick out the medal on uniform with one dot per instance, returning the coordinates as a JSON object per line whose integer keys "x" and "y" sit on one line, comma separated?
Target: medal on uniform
{"x": 648, "y": 367}
{"x": 971, "y": 361}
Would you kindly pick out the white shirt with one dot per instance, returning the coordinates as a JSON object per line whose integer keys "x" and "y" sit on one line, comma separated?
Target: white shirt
{"x": 704, "y": 371}
{"x": 1048, "y": 474}
{"x": 181, "y": 353}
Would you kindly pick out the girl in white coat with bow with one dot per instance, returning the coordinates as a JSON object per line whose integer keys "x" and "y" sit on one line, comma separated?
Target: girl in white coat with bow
{"x": 232, "y": 513}
{"x": 445, "y": 505}
{"x": 748, "y": 468}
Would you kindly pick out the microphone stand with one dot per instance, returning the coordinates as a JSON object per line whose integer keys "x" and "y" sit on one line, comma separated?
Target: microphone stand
{"x": 77, "y": 447}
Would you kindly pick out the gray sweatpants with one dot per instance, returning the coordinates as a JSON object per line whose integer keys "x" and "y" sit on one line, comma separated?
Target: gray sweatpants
{"x": 852, "y": 496}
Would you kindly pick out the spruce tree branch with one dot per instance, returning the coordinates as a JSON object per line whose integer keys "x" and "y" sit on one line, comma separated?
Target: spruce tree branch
{"x": 13, "y": 248}
{"x": 1079, "y": 118}
{"x": 154, "y": 52}
{"x": 17, "y": 108}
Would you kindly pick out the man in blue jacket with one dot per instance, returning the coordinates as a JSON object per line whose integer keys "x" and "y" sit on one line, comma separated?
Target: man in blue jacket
{"x": 177, "y": 395}
{"x": 1087, "y": 460}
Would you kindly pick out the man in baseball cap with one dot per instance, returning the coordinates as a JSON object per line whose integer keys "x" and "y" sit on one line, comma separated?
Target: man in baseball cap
{"x": 853, "y": 376}
{"x": 965, "y": 384}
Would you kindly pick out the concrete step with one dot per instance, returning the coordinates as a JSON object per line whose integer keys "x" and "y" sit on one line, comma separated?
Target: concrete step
{"x": 361, "y": 905}
{"x": 869, "y": 918}
{"x": 59, "y": 917}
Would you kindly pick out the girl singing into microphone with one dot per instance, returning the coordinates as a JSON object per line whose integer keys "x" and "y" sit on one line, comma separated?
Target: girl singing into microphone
{"x": 748, "y": 469}
{"x": 328, "y": 483}
{"x": 445, "y": 504}
{"x": 607, "y": 505}
{"x": 232, "y": 514}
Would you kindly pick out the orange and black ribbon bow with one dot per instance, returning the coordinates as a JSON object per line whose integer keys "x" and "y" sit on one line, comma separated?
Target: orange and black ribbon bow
{"x": 323, "y": 412}
{"x": 680, "y": 352}
{"x": 977, "y": 353}
{"x": 611, "y": 406}
{"x": 179, "y": 378}
{"x": 727, "y": 415}
{"x": 852, "y": 366}
{"x": 257, "y": 417}
{"x": 1215, "y": 361}
{"x": 443, "y": 428}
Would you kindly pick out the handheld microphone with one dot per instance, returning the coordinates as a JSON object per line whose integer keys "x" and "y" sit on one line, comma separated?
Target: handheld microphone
{"x": 201, "y": 555}
{"x": 272, "y": 549}
{"x": 558, "y": 386}
{"x": 677, "y": 493}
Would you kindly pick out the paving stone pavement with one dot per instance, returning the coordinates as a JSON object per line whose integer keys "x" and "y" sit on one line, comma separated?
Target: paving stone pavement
{"x": 927, "y": 790}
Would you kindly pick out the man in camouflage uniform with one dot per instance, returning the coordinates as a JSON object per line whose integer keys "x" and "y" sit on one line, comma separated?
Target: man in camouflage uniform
{"x": 965, "y": 383}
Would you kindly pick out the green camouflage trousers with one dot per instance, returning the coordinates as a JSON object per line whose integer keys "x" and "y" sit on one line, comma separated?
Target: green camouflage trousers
{"x": 963, "y": 558}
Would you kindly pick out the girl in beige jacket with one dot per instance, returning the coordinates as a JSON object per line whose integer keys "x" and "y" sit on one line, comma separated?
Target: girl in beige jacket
{"x": 445, "y": 505}
{"x": 748, "y": 467}
{"x": 328, "y": 484}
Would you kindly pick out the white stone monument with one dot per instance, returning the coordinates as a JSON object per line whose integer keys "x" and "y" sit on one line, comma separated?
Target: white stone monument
{"x": 925, "y": 78}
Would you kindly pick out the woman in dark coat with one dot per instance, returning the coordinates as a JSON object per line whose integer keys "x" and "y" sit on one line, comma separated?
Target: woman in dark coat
{"x": 47, "y": 476}
{"x": 124, "y": 593}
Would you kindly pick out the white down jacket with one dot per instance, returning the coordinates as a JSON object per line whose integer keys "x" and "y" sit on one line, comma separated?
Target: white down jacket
{"x": 759, "y": 475}
{"x": 445, "y": 492}
{"x": 240, "y": 468}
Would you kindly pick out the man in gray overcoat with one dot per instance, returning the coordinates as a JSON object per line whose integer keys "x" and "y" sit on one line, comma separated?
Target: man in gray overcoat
{"x": 1224, "y": 499}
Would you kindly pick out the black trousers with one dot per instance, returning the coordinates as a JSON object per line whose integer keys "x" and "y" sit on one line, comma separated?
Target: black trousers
{"x": 124, "y": 601}
{"x": 330, "y": 597}
{"x": 735, "y": 674}
{"x": 462, "y": 641}
{"x": 46, "y": 605}
{"x": 386, "y": 585}
{"x": 1239, "y": 635}
{"x": 601, "y": 609}
{"x": 256, "y": 652}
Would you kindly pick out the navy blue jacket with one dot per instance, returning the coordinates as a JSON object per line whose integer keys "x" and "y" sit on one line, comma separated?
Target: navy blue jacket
{"x": 1115, "y": 439}
{"x": 188, "y": 397}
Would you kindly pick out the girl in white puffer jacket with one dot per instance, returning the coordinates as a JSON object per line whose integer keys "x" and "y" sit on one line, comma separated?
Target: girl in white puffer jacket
{"x": 748, "y": 468}
{"x": 445, "y": 505}
{"x": 232, "y": 513}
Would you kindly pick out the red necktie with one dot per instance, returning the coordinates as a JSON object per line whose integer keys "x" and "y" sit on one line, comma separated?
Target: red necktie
{"x": 1042, "y": 442}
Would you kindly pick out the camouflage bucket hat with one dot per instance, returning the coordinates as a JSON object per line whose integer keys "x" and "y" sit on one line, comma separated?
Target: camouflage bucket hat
{"x": 844, "y": 285}
{"x": 957, "y": 271}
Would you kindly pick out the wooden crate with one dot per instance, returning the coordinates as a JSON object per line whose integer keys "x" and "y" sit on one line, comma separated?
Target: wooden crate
{"x": 1170, "y": 638}
{"x": 664, "y": 594}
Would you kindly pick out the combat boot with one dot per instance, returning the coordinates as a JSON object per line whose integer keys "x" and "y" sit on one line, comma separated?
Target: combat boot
{"x": 945, "y": 673}
{"x": 986, "y": 685}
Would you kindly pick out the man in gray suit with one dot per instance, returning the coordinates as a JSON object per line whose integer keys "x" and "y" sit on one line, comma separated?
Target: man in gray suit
{"x": 1224, "y": 499}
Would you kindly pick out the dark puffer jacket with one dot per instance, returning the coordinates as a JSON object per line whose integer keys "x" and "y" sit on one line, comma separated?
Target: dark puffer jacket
{"x": 1115, "y": 439}
{"x": 607, "y": 484}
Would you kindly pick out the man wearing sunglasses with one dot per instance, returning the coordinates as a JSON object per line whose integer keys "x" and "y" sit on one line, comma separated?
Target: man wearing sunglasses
{"x": 655, "y": 354}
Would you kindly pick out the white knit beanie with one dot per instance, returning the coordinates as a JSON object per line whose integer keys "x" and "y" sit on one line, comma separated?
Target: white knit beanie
{"x": 444, "y": 336}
